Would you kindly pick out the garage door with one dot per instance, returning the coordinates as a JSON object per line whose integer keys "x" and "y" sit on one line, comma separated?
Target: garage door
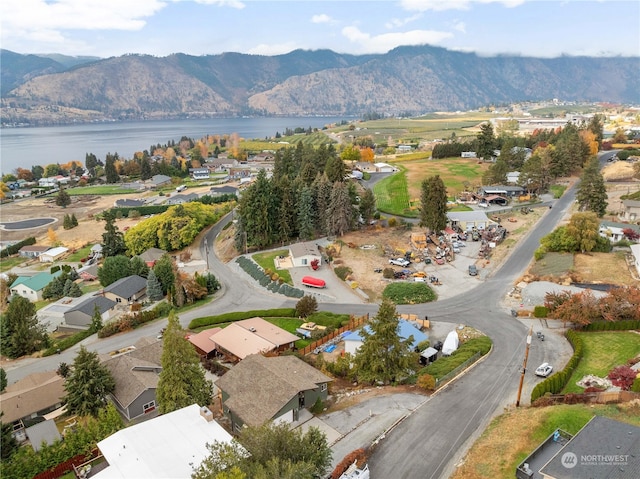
{"x": 481, "y": 225}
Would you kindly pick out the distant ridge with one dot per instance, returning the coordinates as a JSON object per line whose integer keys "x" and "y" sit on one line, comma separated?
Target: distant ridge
{"x": 406, "y": 80}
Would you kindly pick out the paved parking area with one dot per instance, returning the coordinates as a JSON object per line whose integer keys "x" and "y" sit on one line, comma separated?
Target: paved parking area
{"x": 336, "y": 290}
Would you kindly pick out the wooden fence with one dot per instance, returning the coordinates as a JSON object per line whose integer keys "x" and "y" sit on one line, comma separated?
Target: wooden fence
{"x": 64, "y": 467}
{"x": 605, "y": 397}
{"x": 354, "y": 322}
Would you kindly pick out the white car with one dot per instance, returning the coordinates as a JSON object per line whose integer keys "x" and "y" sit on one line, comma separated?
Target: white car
{"x": 544, "y": 370}
{"x": 400, "y": 262}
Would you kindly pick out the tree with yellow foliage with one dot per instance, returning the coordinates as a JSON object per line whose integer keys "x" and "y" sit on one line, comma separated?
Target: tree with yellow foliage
{"x": 53, "y": 237}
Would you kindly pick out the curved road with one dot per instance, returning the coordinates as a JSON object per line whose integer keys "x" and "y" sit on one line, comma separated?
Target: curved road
{"x": 430, "y": 442}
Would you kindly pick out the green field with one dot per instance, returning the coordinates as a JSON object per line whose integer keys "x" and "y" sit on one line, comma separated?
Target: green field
{"x": 101, "y": 190}
{"x": 602, "y": 352}
{"x": 266, "y": 261}
{"x": 78, "y": 255}
{"x": 392, "y": 195}
{"x": 7, "y": 263}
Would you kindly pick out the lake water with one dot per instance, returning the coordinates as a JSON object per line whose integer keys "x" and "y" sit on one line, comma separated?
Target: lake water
{"x": 25, "y": 147}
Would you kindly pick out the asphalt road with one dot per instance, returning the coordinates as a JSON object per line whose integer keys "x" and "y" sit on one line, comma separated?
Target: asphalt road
{"x": 433, "y": 439}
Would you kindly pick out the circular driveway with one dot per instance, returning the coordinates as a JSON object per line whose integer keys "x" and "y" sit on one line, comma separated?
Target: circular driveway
{"x": 27, "y": 224}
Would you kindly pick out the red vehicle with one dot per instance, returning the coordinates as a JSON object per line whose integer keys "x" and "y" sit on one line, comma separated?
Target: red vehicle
{"x": 312, "y": 282}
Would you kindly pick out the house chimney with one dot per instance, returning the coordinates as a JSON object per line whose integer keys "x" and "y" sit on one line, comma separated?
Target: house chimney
{"x": 206, "y": 413}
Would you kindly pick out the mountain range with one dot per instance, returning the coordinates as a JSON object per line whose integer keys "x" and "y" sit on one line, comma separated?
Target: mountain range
{"x": 48, "y": 89}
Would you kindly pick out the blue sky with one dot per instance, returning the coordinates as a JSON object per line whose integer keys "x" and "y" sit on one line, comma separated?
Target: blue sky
{"x": 104, "y": 28}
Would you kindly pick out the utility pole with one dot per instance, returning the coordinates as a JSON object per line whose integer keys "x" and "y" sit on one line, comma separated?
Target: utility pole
{"x": 524, "y": 365}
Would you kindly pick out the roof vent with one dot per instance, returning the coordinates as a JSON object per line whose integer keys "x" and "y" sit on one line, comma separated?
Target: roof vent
{"x": 252, "y": 329}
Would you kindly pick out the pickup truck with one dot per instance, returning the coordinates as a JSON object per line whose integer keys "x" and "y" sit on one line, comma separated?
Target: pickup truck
{"x": 400, "y": 262}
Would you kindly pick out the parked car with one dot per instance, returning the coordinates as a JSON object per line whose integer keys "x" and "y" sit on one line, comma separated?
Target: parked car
{"x": 473, "y": 270}
{"x": 456, "y": 249}
{"x": 399, "y": 262}
{"x": 544, "y": 370}
{"x": 483, "y": 204}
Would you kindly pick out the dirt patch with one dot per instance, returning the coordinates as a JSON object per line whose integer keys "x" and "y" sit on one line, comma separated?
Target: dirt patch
{"x": 604, "y": 268}
{"x": 618, "y": 171}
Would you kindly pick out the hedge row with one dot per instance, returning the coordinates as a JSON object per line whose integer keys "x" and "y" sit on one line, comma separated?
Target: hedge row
{"x": 266, "y": 281}
{"x": 446, "y": 364}
{"x": 240, "y": 315}
{"x": 14, "y": 248}
{"x": 67, "y": 342}
{"x": 557, "y": 381}
{"x": 157, "y": 209}
{"x": 128, "y": 322}
{"x": 624, "y": 325}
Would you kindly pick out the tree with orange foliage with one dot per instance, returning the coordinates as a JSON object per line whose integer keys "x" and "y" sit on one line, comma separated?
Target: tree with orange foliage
{"x": 589, "y": 138}
{"x": 53, "y": 237}
{"x": 580, "y": 309}
{"x": 24, "y": 174}
{"x": 367, "y": 154}
{"x": 621, "y": 304}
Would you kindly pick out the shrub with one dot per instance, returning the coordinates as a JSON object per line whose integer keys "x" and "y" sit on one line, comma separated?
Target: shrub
{"x": 306, "y": 306}
{"x": 623, "y": 377}
{"x": 409, "y": 293}
{"x": 318, "y": 406}
{"x": 427, "y": 382}
{"x": 342, "y": 272}
{"x": 540, "y": 311}
{"x": 388, "y": 273}
{"x": 635, "y": 387}
{"x": 358, "y": 455}
{"x": 392, "y": 222}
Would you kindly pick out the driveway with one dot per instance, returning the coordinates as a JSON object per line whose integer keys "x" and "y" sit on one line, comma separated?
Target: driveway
{"x": 336, "y": 290}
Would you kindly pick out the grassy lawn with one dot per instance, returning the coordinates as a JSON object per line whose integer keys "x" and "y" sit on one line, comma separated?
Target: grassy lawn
{"x": 266, "y": 261}
{"x": 101, "y": 190}
{"x": 7, "y": 263}
{"x": 512, "y": 436}
{"x": 602, "y": 352}
{"x": 553, "y": 264}
{"x": 290, "y": 324}
{"x": 392, "y": 195}
{"x": 90, "y": 288}
{"x": 78, "y": 255}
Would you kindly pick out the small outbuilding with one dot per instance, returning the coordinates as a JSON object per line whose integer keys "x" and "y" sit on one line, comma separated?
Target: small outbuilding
{"x": 302, "y": 254}
{"x": 53, "y": 254}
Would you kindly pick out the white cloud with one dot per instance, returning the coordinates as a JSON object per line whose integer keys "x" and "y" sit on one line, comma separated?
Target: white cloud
{"x": 399, "y": 22}
{"x": 321, "y": 18}
{"x": 459, "y": 26}
{"x": 440, "y": 5}
{"x": 274, "y": 49}
{"x": 387, "y": 41}
{"x": 220, "y": 3}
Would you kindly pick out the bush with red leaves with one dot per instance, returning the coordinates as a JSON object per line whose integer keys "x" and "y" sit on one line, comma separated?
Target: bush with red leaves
{"x": 623, "y": 377}
{"x": 358, "y": 455}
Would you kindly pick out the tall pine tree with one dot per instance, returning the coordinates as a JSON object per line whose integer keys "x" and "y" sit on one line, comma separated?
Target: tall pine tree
{"x": 433, "y": 208}
{"x": 88, "y": 384}
{"x": 592, "y": 192}
{"x": 182, "y": 380}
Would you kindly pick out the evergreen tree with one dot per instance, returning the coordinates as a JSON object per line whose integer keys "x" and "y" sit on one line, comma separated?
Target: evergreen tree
{"x": 110, "y": 170}
{"x": 322, "y": 189}
{"x": 596, "y": 126}
{"x": 486, "y": 142}
{"x": 154, "y": 288}
{"x": 96, "y": 320}
{"x": 8, "y": 443}
{"x": 164, "y": 272}
{"x": 3, "y": 380}
{"x": 367, "y": 205}
{"x": 496, "y": 174}
{"x": 21, "y": 332}
{"x": 88, "y": 384}
{"x": 335, "y": 169}
{"x": 63, "y": 199}
{"x": 592, "y": 192}
{"x": 182, "y": 381}
{"x": 114, "y": 268}
{"x": 74, "y": 220}
{"x": 138, "y": 266}
{"x": 71, "y": 289}
{"x": 306, "y": 214}
{"x": 433, "y": 208}
{"x": 112, "y": 238}
{"x": 145, "y": 169}
{"x": 340, "y": 212}
{"x": 66, "y": 223}
{"x": 383, "y": 356}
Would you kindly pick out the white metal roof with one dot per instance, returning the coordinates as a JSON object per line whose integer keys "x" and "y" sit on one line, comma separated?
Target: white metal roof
{"x": 168, "y": 446}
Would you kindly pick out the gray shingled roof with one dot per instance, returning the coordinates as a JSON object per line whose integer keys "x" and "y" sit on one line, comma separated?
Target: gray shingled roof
{"x": 127, "y": 287}
{"x": 88, "y": 305}
{"x": 258, "y": 387}
{"x": 132, "y": 376}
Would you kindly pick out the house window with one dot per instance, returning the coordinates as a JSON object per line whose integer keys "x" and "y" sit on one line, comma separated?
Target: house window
{"x": 323, "y": 387}
{"x": 304, "y": 261}
{"x": 150, "y": 406}
{"x": 118, "y": 300}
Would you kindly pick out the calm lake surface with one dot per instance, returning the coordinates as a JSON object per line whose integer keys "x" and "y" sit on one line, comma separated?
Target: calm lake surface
{"x": 25, "y": 147}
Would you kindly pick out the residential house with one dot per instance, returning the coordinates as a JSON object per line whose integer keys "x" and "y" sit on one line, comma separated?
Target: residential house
{"x": 222, "y": 163}
{"x": 33, "y": 251}
{"x": 53, "y": 254}
{"x": 635, "y": 253}
{"x": 263, "y": 157}
{"x": 251, "y": 336}
{"x": 261, "y": 389}
{"x": 366, "y": 166}
{"x": 603, "y": 448}
{"x": 126, "y": 290}
{"x": 509, "y": 191}
{"x": 630, "y": 211}
{"x": 151, "y": 256}
{"x": 224, "y": 190}
{"x": 180, "y": 199}
{"x": 403, "y": 149}
{"x": 89, "y": 273}
{"x": 200, "y": 173}
{"x": 31, "y": 287}
{"x": 53, "y": 181}
{"x": 203, "y": 343}
{"x": 160, "y": 180}
{"x": 614, "y": 231}
{"x": 468, "y": 220}
{"x": 82, "y": 314}
{"x": 302, "y": 254}
{"x": 239, "y": 173}
{"x": 128, "y": 203}
{"x": 136, "y": 374}
{"x": 385, "y": 168}
{"x": 353, "y": 341}
{"x": 167, "y": 446}
{"x": 29, "y": 398}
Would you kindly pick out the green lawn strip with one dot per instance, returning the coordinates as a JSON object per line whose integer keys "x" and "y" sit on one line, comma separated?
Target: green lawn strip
{"x": 7, "y": 263}
{"x": 553, "y": 264}
{"x": 392, "y": 195}
{"x": 78, "y": 255}
{"x": 602, "y": 352}
{"x": 101, "y": 190}
{"x": 557, "y": 190}
{"x": 266, "y": 261}
{"x": 90, "y": 288}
